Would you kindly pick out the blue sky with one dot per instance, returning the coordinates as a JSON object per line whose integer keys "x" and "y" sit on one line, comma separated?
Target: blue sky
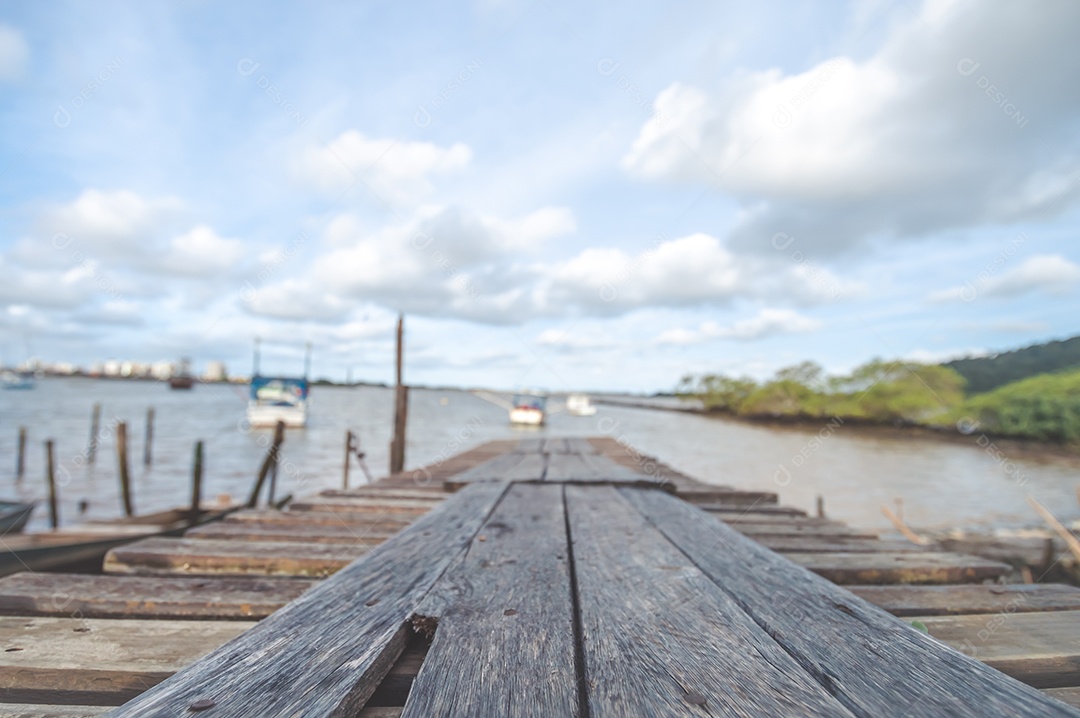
{"x": 555, "y": 195}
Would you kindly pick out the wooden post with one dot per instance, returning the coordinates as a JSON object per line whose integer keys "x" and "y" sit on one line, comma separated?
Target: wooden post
{"x": 122, "y": 466}
{"x": 50, "y": 476}
{"x": 196, "y": 484}
{"x": 820, "y": 506}
{"x": 401, "y": 406}
{"x": 273, "y": 483}
{"x": 95, "y": 420}
{"x": 348, "y": 456}
{"x": 20, "y": 458}
{"x": 148, "y": 445}
{"x": 271, "y": 458}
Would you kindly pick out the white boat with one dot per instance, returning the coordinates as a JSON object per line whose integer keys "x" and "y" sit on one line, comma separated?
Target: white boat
{"x": 579, "y": 405}
{"x": 528, "y": 409}
{"x": 17, "y": 380}
{"x": 278, "y": 398}
{"x": 275, "y": 399}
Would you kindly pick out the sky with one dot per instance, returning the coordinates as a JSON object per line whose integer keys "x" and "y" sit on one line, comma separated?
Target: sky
{"x": 556, "y": 196}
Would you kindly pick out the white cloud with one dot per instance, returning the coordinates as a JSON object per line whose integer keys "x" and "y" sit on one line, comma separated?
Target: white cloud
{"x": 767, "y": 323}
{"x": 1045, "y": 273}
{"x": 394, "y": 170}
{"x": 907, "y": 142}
{"x": 201, "y": 251}
{"x": 14, "y": 53}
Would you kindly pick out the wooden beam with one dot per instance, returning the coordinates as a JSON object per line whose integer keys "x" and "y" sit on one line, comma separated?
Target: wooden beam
{"x": 900, "y": 567}
{"x": 89, "y": 596}
{"x": 872, "y": 662}
{"x": 201, "y": 557}
{"x": 970, "y": 598}
{"x": 325, "y": 653}
{"x": 1040, "y": 649}
{"x": 505, "y": 638}
{"x": 99, "y": 662}
{"x": 660, "y": 638}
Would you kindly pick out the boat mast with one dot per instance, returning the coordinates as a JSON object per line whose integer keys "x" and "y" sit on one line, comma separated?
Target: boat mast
{"x": 255, "y": 369}
{"x": 307, "y": 361}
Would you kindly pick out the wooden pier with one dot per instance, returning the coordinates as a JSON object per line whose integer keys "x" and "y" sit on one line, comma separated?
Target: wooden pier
{"x": 542, "y": 577}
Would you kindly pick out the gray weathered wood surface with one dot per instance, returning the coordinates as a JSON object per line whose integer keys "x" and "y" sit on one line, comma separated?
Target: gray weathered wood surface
{"x": 871, "y": 661}
{"x": 899, "y": 567}
{"x": 89, "y": 596}
{"x": 504, "y": 644}
{"x": 970, "y": 598}
{"x": 206, "y": 557}
{"x": 325, "y": 653}
{"x": 99, "y": 662}
{"x": 659, "y": 637}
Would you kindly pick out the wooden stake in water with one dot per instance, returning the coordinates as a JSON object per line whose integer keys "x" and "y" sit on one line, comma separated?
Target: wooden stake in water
{"x": 268, "y": 462}
{"x": 20, "y": 458}
{"x": 50, "y": 477}
{"x": 95, "y": 420}
{"x": 196, "y": 484}
{"x": 148, "y": 445}
{"x": 122, "y": 466}
{"x": 401, "y": 405}
{"x": 348, "y": 456}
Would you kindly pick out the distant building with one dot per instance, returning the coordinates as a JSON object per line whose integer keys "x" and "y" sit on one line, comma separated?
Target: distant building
{"x": 215, "y": 371}
{"x": 111, "y": 368}
{"x": 161, "y": 370}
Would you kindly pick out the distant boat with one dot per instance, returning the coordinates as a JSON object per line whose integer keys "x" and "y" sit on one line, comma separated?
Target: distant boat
{"x": 579, "y": 405}
{"x": 278, "y": 398}
{"x": 17, "y": 380}
{"x": 182, "y": 378}
{"x": 528, "y": 409}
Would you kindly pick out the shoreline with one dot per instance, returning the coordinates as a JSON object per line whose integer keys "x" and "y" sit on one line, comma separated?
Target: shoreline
{"x": 985, "y": 441}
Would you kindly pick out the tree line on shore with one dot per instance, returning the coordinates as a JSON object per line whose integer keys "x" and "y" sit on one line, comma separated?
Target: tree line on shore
{"x": 1038, "y": 405}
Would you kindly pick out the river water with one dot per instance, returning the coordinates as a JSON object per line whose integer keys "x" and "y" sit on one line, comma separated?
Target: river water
{"x": 942, "y": 483}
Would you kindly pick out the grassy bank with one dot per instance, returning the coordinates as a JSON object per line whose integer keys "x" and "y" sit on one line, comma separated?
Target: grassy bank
{"x": 895, "y": 393}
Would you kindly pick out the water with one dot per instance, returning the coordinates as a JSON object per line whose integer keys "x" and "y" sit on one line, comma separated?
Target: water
{"x": 942, "y": 483}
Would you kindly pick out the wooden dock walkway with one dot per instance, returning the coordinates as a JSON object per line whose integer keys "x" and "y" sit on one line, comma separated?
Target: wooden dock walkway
{"x": 542, "y": 577}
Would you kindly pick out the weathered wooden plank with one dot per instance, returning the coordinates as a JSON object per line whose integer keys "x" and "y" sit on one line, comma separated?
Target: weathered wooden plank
{"x": 1040, "y": 649}
{"x": 795, "y": 528}
{"x": 200, "y": 557}
{"x": 403, "y": 509}
{"x": 578, "y": 445}
{"x": 659, "y": 637}
{"x": 758, "y": 513}
{"x": 970, "y": 598}
{"x": 872, "y": 662}
{"x": 1069, "y": 695}
{"x": 29, "y": 710}
{"x": 301, "y": 533}
{"x": 899, "y": 567}
{"x": 89, "y": 596}
{"x": 833, "y": 544}
{"x": 491, "y": 470}
{"x": 584, "y": 468}
{"x": 325, "y": 653}
{"x": 505, "y": 638}
{"x": 728, "y": 497}
{"x": 529, "y": 446}
{"x": 378, "y": 493}
{"x": 361, "y": 525}
{"x": 99, "y": 662}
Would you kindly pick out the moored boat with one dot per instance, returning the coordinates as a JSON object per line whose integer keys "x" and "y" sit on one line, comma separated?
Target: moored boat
{"x": 579, "y": 405}
{"x": 182, "y": 378}
{"x": 17, "y": 380}
{"x": 278, "y": 398}
{"x": 13, "y": 516}
{"x": 528, "y": 409}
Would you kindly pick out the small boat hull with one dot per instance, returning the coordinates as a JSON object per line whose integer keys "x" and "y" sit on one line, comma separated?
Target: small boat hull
{"x": 262, "y": 416}
{"x": 13, "y": 516}
{"x": 526, "y": 416}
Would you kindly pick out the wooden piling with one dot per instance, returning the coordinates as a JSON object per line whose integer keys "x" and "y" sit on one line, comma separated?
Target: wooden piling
{"x": 149, "y": 443}
{"x": 401, "y": 406}
{"x": 268, "y": 462}
{"x": 50, "y": 477}
{"x": 820, "y": 506}
{"x": 348, "y": 457}
{"x": 196, "y": 484}
{"x": 20, "y": 458}
{"x": 95, "y": 421}
{"x": 122, "y": 467}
